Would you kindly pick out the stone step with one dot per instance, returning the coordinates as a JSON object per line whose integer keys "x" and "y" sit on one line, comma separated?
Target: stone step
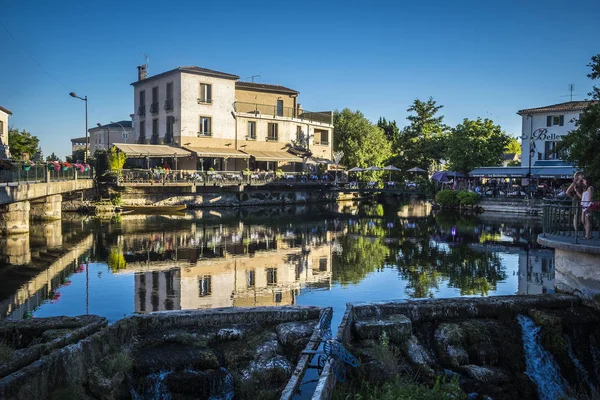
{"x": 397, "y": 327}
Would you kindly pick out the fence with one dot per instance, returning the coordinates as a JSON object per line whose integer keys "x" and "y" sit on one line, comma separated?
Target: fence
{"x": 561, "y": 218}
{"x": 17, "y": 172}
{"x": 286, "y": 112}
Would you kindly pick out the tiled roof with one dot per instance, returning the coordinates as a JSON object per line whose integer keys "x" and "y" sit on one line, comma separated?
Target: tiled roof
{"x": 263, "y": 87}
{"x": 78, "y": 140}
{"x": 126, "y": 124}
{"x": 6, "y": 110}
{"x": 191, "y": 70}
{"x": 560, "y": 107}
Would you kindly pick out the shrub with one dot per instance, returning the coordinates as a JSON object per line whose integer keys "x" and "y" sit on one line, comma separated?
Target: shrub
{"x": 119, "y": 362}
{"x": 466, "y": 198}
{"x": 446, "y": 198}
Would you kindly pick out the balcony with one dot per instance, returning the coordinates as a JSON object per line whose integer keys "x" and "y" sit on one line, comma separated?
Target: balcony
{"x": 204, "y": 134}
{"x": 169, "y": 105}
{"x": 154, "y": 139}
{"x": 142, "y": 140}
{"x": 204, "y": 100}
{"x": 141, "y": 111}
{"x": 266, "y": 110}
{"x": 272, "y": 138}
{"x": 154, "y": 108}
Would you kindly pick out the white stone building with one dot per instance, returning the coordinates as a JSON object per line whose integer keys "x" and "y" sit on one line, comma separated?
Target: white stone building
{"x": 543, "y": 128}
{"x": 103, "y": 137}
{"x": 4, "y": 150}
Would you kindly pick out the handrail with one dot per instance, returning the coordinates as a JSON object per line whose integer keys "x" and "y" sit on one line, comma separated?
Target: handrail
{"x": 23, "y": 172}
{"x": 561, "y": 218}
{"x": 282, "y": 112}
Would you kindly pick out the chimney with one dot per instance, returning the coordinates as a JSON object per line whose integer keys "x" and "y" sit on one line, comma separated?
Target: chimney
{"x": 299, "y": 109}
{"x": 142, "y": 72}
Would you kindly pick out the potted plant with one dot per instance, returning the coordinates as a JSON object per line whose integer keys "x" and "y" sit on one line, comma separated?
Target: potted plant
{"x": 594, "y": 209}
{"x": 65, "y": 165}
{"x": 54, "y": 166}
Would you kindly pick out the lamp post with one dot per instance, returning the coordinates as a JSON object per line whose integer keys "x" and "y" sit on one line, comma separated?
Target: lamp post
{"x": 124, "y": 131}
{"x": 87, "y": 141}
{"x": 531, "y": 151}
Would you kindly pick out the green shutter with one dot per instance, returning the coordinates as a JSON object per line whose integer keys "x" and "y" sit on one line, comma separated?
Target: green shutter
{"x": 562, "y": 120}
{"x": 549, "y": 120}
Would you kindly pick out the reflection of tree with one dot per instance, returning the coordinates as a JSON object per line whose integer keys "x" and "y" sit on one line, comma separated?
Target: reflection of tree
{"x": 116, "y": 260}
{"x": 359, "y": 257}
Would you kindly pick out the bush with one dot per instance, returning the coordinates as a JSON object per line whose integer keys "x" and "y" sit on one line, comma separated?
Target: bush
{"x": 466, "y": 198}
{"x": 446, "y": 198}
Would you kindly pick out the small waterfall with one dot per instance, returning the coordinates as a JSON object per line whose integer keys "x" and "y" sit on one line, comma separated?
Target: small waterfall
{"x": 541, "y": 366}
{"x": 581, "y": 371}
{"x": 154, "y": 388}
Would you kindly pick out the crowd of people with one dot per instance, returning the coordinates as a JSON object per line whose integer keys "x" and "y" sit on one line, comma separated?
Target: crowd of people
{"x": 581, "y": 192}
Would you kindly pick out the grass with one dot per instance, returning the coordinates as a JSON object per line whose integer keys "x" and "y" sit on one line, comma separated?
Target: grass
{"x": 119, "y": 362}
{"x": 6, "y": 352}
{"x": 400, "y": 389}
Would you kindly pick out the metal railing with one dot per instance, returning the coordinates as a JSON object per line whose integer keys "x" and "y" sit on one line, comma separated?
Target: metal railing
{"x": 18, "y": 172}
{"x": 283, "y": 112}
{"x": 562, "y": 218}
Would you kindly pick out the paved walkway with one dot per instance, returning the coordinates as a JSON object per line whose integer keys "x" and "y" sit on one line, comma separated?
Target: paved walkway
{"x": 568, "y": 238}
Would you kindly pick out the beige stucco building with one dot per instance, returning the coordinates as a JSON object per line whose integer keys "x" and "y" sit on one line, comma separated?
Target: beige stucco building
{"x": 4, "y": 150}
{"x": 104, "y": 136}
{"x": 229, "y": 125}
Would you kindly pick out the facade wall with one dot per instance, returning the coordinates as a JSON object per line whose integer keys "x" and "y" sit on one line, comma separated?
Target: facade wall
{"x": 257, "y": 97}
{"x": 536, "y": 125}
{"x": 3, "y": 135}
{"x": 219, "y": 110}
{"x": 162, "y": 114}
{"x": 100, "y": 138}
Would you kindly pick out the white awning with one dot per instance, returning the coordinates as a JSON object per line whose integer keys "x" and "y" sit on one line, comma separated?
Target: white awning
{"x": 151, "y": 150}
{"x": 273, "y": 156}
{"x": 218, "y": 152}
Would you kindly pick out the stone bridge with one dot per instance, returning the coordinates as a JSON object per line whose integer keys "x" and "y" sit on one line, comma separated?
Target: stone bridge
{"x": 39, "y": 200}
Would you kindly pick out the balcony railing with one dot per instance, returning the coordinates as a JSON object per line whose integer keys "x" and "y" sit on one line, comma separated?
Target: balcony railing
{"x": 204, "y": 100}
{"x": 141, "y": 111}
{"x": 142, "y": 140}
{"x": 18, "y": 172}
{"x": 204, "y": 134}
{"x": 154, "y": 108}
{"x": 154, "y": 139}
{"x": 282, "y": 112}
{"x": 169, "y": 105}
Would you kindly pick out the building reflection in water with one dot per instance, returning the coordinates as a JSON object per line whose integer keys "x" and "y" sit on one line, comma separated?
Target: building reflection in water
{"x": 223, "y": 266}
{"x": 536, "y": 271}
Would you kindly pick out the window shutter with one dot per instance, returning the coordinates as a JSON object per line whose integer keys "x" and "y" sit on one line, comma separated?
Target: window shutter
{"x": 208, "y": 93}
{"x": 549, "y": 120}
{"x": 562, "y": 120}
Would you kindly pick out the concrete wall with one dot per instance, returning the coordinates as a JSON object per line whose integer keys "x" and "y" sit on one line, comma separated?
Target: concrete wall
{"x": 258, "y": 97}
{"x": 577, "y": 272}
{"x": 11, "y": 194}
{"x": 101, "y": 138}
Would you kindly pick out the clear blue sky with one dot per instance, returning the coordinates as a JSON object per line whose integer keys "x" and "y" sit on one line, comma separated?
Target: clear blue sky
{"x": 477, "y": 58}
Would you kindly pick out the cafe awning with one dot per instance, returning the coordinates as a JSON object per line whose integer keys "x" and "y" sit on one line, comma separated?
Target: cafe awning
{"x": 499, "y": 172}
{"x": 151, "y": 150}
{"x": 564, "y": 172}
{"x": 273, "y": 156}
{"x": 218, "y": 152}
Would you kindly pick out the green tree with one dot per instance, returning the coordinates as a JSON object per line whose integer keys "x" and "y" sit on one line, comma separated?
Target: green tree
{"x": 580, "y": 146}
{"x": 513, "y": 146}
{"x": 476, "y": 143}
{"x": 422, "y": 143}
{"x": 78, "y": 155}
{"x": 391, "y": 130}
{"x": 23, "y": 142}
{"x": 53, "y": 157}
{"x": 363, "y": 143}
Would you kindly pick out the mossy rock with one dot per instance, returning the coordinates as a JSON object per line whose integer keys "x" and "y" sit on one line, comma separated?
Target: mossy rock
{"x": 551, "y": 333}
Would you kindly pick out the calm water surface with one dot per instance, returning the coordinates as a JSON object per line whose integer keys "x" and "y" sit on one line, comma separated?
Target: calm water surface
{"x": 325, "y": 256}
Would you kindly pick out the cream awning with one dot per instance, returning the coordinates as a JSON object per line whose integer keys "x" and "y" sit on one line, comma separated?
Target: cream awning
{"x": 219, "y": 152}
{"x": 273, "y": 156}
{"x": 151, "y": 150}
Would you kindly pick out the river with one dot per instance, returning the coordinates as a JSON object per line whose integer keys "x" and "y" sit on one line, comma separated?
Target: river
{"x": 325, "y": 255}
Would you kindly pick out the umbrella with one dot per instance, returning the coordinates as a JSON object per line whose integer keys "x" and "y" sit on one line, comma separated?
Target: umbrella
{"x": 373, "y": 168}
{"x": 416, "y": 169}
{"x": 355, "y": 169}
{"x": 391, "y": 168}
{"x": 454, "y": 174}
{"x": 440, "y": 176}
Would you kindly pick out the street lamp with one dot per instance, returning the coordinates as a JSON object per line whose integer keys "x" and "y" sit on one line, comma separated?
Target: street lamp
{"x": 531, "y": 150}
{"x": 72, "y": 94}
{"x": 122, "y": 127}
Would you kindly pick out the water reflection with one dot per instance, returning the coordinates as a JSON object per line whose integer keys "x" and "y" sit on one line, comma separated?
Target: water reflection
{"x": 262, "y": 257}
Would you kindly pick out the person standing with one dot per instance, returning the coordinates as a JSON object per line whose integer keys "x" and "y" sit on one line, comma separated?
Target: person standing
{"x": 575, "y": 191}
{"x": 586, "y": 200}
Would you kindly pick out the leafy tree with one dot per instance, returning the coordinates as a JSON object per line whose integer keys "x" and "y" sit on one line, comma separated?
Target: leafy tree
{"x": 116, "y": 160}
{"x": 422, "y": 143}
{"x": 23, "y": 142}
{"x": 476, "y": 143}
{"x": 78, "y": 155}
{"x": 580, "y": 146}
{"x": 363, "y": 143}
{"x": 360, "y": 257}
{"x": 53, "y": 157}
{"x": 391, "y": 130}
{"x": 513, "y": 146}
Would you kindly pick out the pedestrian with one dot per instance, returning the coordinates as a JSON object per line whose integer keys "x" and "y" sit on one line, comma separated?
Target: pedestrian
{"x": 586, "y": 200}
{"x": 575, "y": 191}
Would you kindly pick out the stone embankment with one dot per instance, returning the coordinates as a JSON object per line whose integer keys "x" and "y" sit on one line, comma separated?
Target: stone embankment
{"x": 250, "y": 353}
{"x": 488, "y": 345}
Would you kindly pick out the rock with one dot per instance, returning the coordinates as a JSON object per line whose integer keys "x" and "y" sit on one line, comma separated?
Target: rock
{"x": 172, "y": 356}
{"x": 449, "y": 339}
{"x": 52, "y": 334}
{"x": 276, "y": 369}
{"x": 200, "y": 384}
{"x": 295, "y": 335}
{"x": 102, "y": 388}
{"x": 268, "y": 350}
{"x": 418, "y": 355}
{"x": 489, "y": 375}
{"x": 226, "y": 334}
{"x": 396, "y": 327}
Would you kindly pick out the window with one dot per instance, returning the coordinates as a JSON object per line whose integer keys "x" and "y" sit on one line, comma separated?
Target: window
{"x": 299, "y": 134}
{"x": 553, "y": 120}
{"x": 323, "y": 265}
{"x": 251, "y": 278}
{"x": 142, "y": 139}
{"x": 551, "y": 151}
{"x": 154, "y": 139}
{"x": 280, "y": 108}
{"x": 205, "y": 127}
{"x": 154, "y": 105}
{"x": 142, "y": 107}
{"x": 169, "y": 100}
{"x": 251, "y": 130}
{"x": 278, "y": 297}
{"x": 271, "y": 276}
{"x": 204, "y": 286}
{"x": 125, "y": 135}
{"x": 169, "y": 134}
{"x": 1, "y": 128}
{"x": 272, "y": 132}
{"x": 205, "y": 93}
{"x": 325, "y": 137}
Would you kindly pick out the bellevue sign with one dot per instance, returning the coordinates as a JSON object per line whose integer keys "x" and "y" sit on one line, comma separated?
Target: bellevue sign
{"x": 542, "y": 134}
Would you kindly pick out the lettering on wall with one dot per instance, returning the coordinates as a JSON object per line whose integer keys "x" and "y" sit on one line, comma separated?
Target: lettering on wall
{"x": 542, "y": 134}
